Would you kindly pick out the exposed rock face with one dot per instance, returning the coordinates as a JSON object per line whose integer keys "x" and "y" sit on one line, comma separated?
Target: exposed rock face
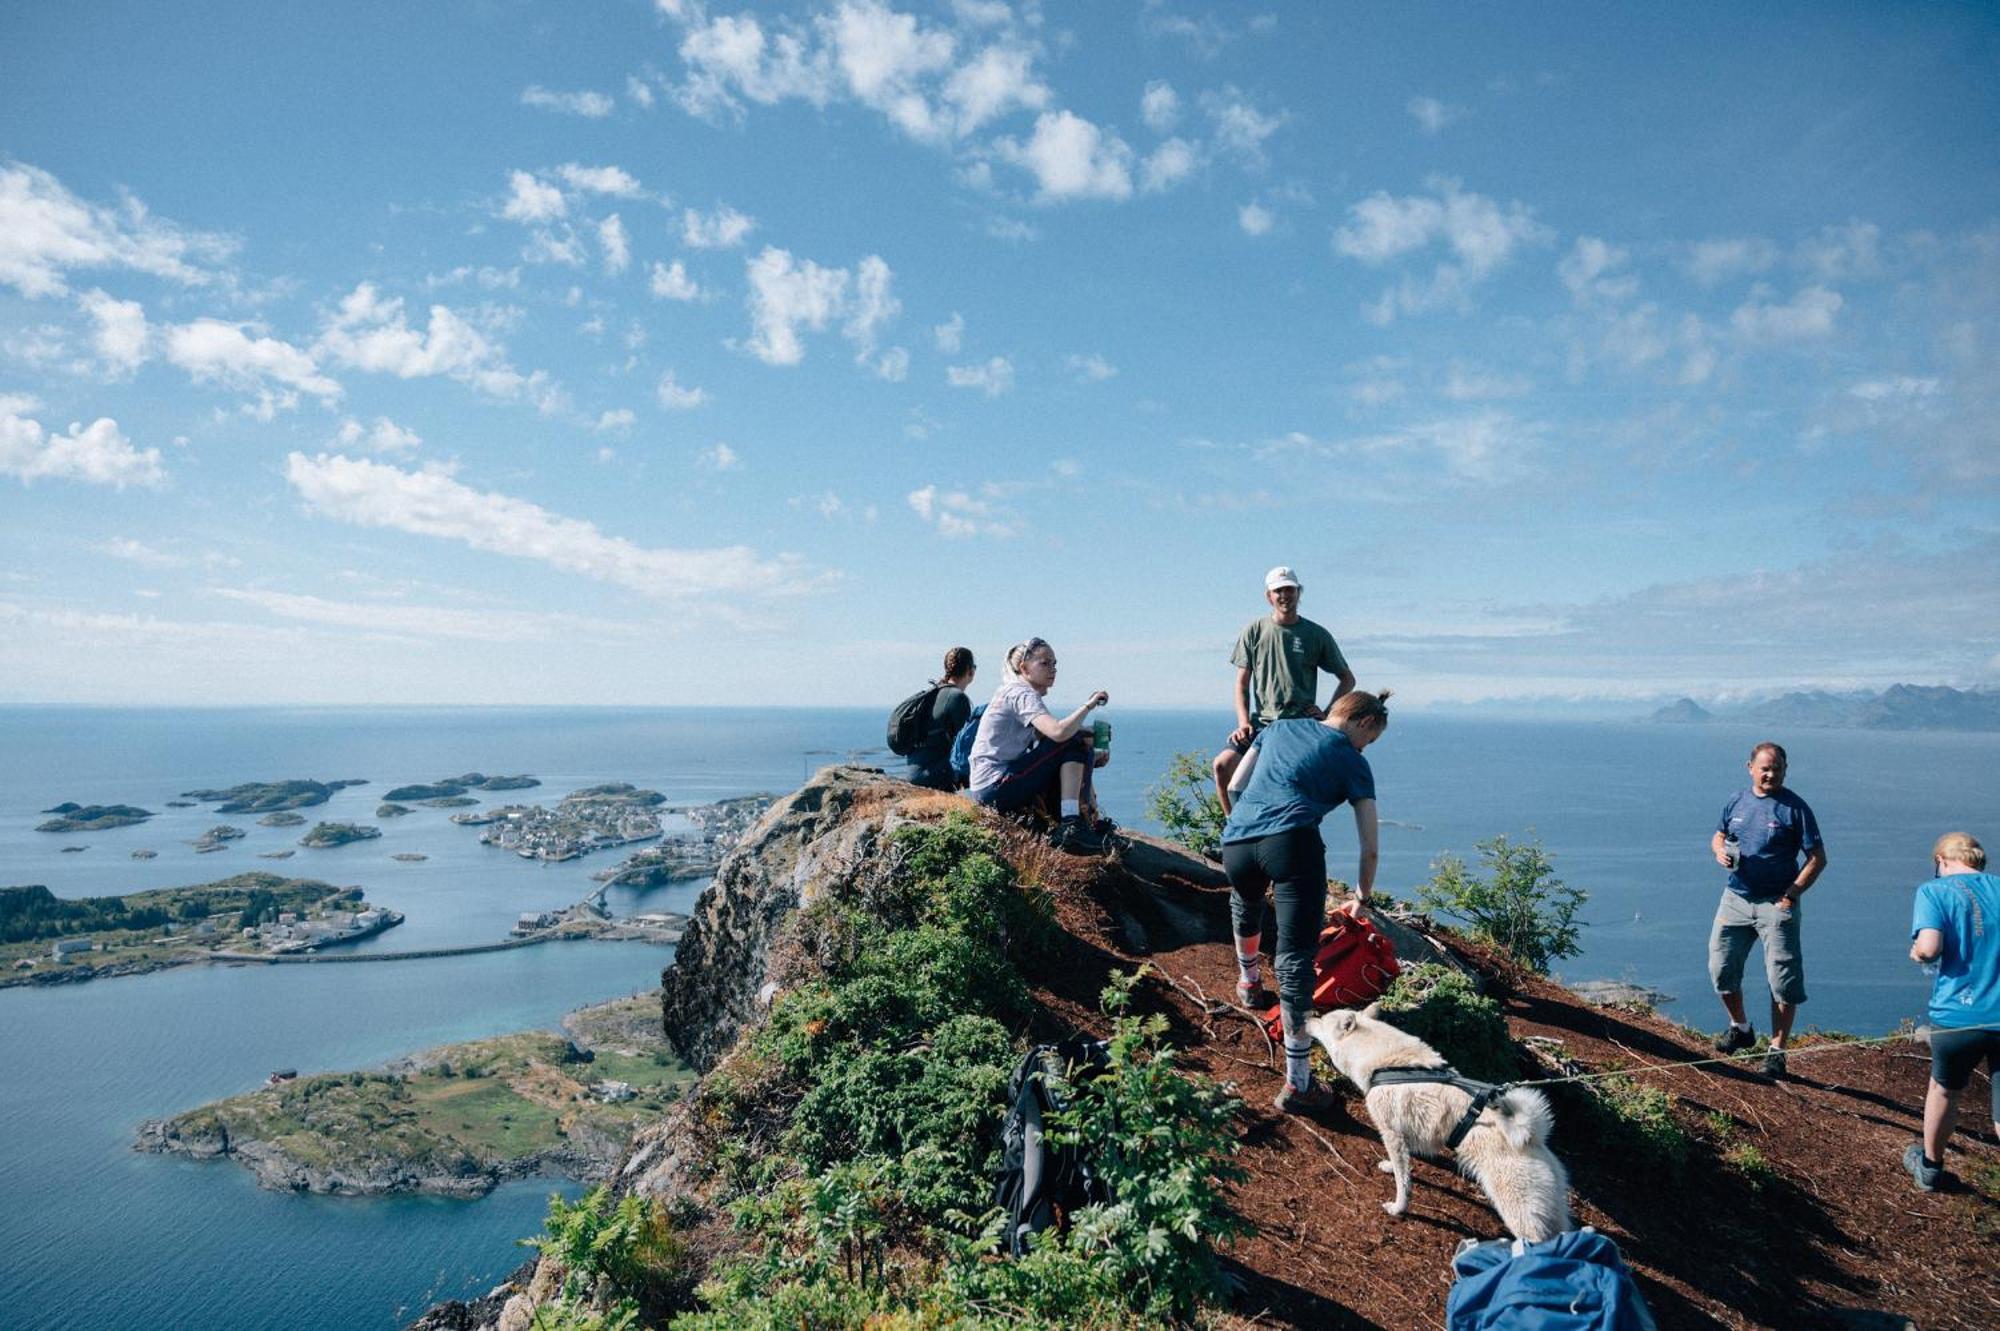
{"x": 782, "y": 863}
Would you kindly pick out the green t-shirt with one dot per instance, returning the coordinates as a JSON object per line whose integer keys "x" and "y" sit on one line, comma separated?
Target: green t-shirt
{"x": 1284, "y": 664}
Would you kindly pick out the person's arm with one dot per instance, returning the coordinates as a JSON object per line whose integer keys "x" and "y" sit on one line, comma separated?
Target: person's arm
{"x": 1929, "y": 946}
{"x": 1240, "y": 782}
{"x": 1056, "y": 731}
{"x": 1366, "y": 826}
{"x": 1343, "y": 684}
{"x": 1815, "y": 865}
{"x": 1721, "y": 855}
{"x": 1242, "y": 731}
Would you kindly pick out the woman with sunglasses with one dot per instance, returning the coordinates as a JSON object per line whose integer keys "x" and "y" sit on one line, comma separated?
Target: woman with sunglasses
{"x": 1023, "y": 752}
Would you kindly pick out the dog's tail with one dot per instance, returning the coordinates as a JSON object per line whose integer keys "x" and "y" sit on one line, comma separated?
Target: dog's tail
{"x": 1523, "y": 1117}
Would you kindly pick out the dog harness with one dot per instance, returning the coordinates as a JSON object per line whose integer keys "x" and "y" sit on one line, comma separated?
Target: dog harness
{"x": 1482, "y": 1093}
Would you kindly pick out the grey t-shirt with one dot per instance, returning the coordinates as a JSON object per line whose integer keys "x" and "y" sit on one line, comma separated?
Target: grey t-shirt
{"x": 1284, "y": 663}
{"x": 1006, "y": 729}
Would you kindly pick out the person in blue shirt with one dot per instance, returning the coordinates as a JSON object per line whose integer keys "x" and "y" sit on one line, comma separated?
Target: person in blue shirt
{"x": 1956, "y": 928}
{"x": 1761, "y": 835}
{"x": 1296, "y": 773}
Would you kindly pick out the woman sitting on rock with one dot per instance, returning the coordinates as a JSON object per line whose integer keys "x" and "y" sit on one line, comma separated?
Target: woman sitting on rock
{"x": 1296, "y": 773}
{"x": 1022, "y": 751}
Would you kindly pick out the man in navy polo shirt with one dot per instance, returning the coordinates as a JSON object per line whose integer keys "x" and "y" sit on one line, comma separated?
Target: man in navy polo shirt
{"x": 1759, "y": 839}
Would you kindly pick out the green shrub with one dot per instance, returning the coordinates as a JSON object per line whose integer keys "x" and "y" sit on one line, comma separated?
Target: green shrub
{"x": 630, "y": 1255}
{"x": 1183, "y": 802}
{"x": 1441, "y": 1006}
{"x": 1521, "y": 906}
{"x": 1638, "y": 1122}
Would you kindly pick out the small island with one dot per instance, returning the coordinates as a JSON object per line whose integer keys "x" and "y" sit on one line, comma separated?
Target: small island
{"x": 410, "y": 856}
{"x": 252, "y": 916}
{"x": 414, "y": 794}
{"x": 72, "y": 817}
{"x": 481, "y": 781}
{"x": 268, "y": 796}
{"x": 327, "y": 835}
{"x": 449, "y": 802}
{"x": 217, "y": 837}
{"x": 284, "y": 818}
{"x": 452, "y": 1121}
{"x": 390, "y": 810}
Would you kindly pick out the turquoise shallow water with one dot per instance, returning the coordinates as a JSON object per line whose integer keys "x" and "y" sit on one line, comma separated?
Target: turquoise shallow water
{"x": 94, "y": 1235}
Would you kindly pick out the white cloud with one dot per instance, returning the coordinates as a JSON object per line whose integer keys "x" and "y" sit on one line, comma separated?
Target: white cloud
{"x": 372, "y": 334}
{"x": 590, "y": 105}
{"x": 1838, "y": 253}
{"x": 720, "y": 458}
{"x": 1591, "y": 271}
{"x": 998, "y": 80}
{"x": 893, "y": 365}
{"x": 723, "y": 228}
{"x": 993, "y": 378}
{"x": 383, "y": 436}
{"x": 216, "y": 352}
{"x": 873, "y": 306}
{"x": 1432, "y": 115}
{"x": 532, "y": 200}
{"x": 121, "y": 334}
{"x": 786, "y": 297}
{"x": 639, "y": 91}
{"x": 730, "y": 57}
{"x": 950, "y": 335}
{"x": 1467, "y": 383}
{"x": 955, "y": 513}
{"x": 45, "y": 231}
{"x": 493, "y": 279}
{"x": 1715, "y": 261}
{"x": 612, "y": 180}
{"x": 424, "y": 621}
{"x": 1240, "y": 127}
{"x": 1479, "y": 233}
{"x": 1255, "y": 219}
{"x": 671, "y": 282}
{"x": 96, "y": 453}
{"x": 624, "y": 418}
{"x": 138, "y": 552}
{"x": 617, "y": 247}
{"x": 1160, "y": 106}
{"x": 1809, "y": 315}
{"x": 1091, "y": 369}
{"x": 430, "y": 503}
{"x": 673, "y": 397}
{"x": 1071, "y": 158}
{"x": 1901, "y": 388}
{"x": 1167, "y": 165}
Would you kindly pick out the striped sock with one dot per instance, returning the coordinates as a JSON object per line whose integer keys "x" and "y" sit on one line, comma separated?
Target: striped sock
{"x": 1298, "y": 1065}
{"x": 1246, "y": 968}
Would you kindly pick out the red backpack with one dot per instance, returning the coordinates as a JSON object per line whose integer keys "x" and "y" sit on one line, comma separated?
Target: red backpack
{"x": 1355, "y": 965}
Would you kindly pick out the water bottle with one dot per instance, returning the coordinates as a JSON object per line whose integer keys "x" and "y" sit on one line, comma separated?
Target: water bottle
{"x": 1100, "y": 736}
{"x": 1732, "y": 850}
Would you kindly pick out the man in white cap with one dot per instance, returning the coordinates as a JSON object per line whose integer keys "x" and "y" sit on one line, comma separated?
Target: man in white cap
{"x": 1278, "y": 659}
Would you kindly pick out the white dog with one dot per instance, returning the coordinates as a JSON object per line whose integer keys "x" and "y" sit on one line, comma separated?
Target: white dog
{"x": 1505, "y": 1152}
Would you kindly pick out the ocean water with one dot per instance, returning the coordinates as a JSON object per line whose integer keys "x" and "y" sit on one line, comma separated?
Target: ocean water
{"x": 94, "y": 1235}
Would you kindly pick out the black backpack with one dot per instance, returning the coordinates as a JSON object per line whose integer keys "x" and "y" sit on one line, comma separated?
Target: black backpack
{"x": 910, "y": 721}
{"x": 1041, "y": 1184}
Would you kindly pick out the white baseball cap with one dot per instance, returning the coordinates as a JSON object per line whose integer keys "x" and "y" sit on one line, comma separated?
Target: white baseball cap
{"x": 1281, "y": 576}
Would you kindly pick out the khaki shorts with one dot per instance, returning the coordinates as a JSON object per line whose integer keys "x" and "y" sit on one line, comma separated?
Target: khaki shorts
{"x": 1739, "y": 922}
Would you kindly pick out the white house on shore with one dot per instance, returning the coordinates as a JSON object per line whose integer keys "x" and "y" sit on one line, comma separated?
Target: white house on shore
{"x": 66, "y": 948}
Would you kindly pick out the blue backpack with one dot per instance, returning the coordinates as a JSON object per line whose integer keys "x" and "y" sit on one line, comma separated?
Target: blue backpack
{"x": 961, "y": 746}
{"x": 1572, "y": 1282}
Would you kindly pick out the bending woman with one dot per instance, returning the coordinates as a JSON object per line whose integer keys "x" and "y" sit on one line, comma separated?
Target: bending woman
{"x": 1022, "y": 751}
{"x": 1296, "y": 773}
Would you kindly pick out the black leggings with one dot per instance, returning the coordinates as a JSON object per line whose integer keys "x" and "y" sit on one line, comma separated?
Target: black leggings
{"x": 1293, "y": 865}
{"x": 1955, "y": 1055}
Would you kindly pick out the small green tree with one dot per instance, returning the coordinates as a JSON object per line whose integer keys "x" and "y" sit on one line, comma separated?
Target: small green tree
{"x": 1183, "y": 802}
{"x": 1520, "y": 906}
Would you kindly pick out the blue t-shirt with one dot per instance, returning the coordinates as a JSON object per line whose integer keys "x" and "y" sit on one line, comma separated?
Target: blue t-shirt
{"x": 1771, "y": 833}
{"x": 1965, "y": 908}
{"x": 1305, "y": 770}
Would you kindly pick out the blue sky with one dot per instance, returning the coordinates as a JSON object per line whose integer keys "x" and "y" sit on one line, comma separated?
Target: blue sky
{"x": 681, "y": 353}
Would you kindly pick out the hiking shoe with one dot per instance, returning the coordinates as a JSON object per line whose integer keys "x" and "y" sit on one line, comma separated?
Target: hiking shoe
{"x": 1928, "y": 1177}
{"x": 1250, "y": 993}
{"x": 1734, "y": 1038}
{"x": 1074, "y": 836}
{"x": 1774, "y": 1063}
{"x": 1315, "y": 1097}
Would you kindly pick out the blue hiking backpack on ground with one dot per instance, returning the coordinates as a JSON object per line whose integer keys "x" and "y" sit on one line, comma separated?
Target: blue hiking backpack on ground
{"x": 1572, "y": 1282}
{"x": 1040, "y": 1184}
{"x": 961, "y": 746}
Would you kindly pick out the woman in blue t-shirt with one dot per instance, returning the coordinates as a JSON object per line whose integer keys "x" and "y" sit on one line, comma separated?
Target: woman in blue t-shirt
{"x": 1296, "y": 773}
{"x": 1956, "y": 927}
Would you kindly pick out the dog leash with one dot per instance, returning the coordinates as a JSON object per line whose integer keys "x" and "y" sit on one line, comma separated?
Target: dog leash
{"x": 1863, "y": 1043}
{"x": 1483, "y": 1093}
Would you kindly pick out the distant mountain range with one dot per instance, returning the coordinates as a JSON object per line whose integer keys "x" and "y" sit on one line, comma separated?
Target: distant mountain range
{"x": 1899, "y": 707}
